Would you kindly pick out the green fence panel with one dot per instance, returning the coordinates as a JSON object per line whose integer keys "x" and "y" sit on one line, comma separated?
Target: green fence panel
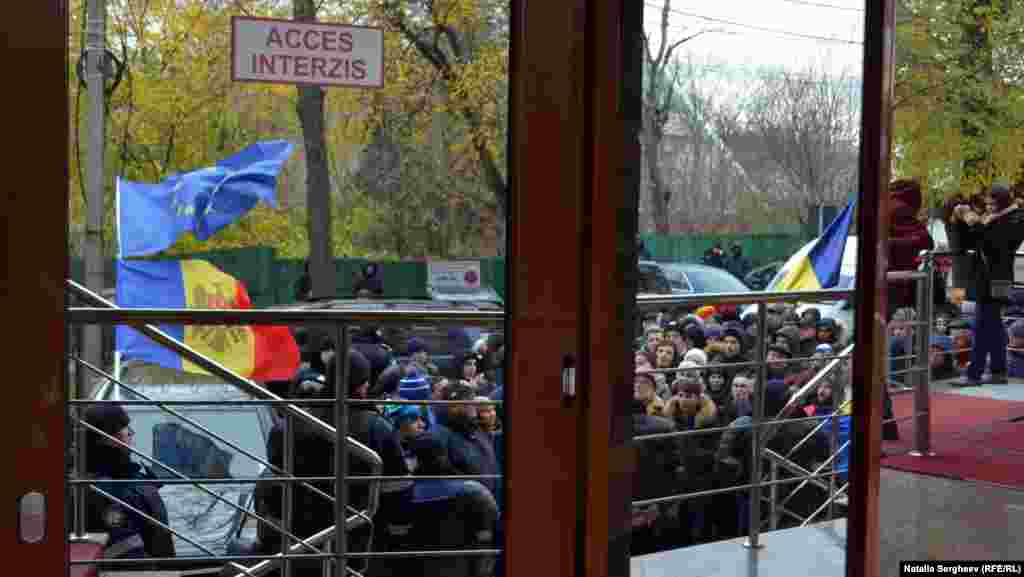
{"x": 347, "y": 268}
{"x": 287, "y": 273}
{"x": 253, "y": 265}
{"x": 406, "y": 280}
{"x": 492, "y": 274}
{"x": 759, "y": 248}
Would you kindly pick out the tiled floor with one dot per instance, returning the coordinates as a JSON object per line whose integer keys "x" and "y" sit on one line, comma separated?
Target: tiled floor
{"x": 817, "y": 550}
{"x": 922, "y": 518}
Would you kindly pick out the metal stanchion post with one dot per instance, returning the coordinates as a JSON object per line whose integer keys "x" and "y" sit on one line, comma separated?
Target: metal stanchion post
{"x": 753, "y": 540}
{"x": 833, "y": 444}
{"x": 773, "y": 513}
{"x": 80, "y": 471}
{"x": 326, "y": 564}
{"x": 341, "y": 393}
{"x": 288, "y": 492}
{"x": 922, "y": 392}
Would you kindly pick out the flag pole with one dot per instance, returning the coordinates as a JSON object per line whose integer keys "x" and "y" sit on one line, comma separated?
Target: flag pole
{"x": 117, "y": 218}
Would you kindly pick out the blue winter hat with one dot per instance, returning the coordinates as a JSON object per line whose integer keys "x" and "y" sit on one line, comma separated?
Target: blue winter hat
{"x": 942, "y": 341}
{"x": 401, "y": 414}
{"x": 415, "y": 388}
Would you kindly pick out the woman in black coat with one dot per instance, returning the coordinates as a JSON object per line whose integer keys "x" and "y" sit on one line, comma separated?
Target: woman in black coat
{"x": 994, "y": 239}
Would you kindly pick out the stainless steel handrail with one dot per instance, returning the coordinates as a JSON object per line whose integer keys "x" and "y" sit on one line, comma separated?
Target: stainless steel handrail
{"x": 118, "y": 443}
{"x": 355, "y": 448}
{"x": 241, "y": 568}
{"x": 110, "y": 314}
{"x": 105, "y": 312}
{"x": 645, "y": 302}
{"x": 162, "y": 406}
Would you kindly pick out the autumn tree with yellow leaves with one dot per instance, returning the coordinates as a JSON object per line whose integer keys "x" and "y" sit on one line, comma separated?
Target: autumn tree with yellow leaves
{"x": 442, "y": 106}
{"x": 959, "y": 94}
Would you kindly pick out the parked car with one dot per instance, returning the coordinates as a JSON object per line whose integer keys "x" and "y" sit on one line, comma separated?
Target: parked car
{"x": 686, "y": 278}
{"x": 683, "y": 278}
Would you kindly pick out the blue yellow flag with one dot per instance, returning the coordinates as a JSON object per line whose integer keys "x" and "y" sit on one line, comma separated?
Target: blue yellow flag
{"x": 151, "y": 217}
{"x": 820, "y": 267}
{"x": 262, "y": 353}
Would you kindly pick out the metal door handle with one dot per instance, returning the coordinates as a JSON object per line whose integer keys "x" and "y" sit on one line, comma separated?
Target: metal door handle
{"x": 568, "y": 377}
{"x": 31, "y": 517}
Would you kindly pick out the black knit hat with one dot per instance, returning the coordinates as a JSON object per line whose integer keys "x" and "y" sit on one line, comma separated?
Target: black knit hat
{"x": 459, "y": 391}
{"x": 782, "y": 349}
{"x": 358, "y": 371}
{"x": 108, "y": 418}
{"x": 810, "y": 317}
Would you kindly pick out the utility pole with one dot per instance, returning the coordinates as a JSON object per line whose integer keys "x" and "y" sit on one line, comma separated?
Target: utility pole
{"x": 318, "y": 178}
{"x": 95, "y": 66}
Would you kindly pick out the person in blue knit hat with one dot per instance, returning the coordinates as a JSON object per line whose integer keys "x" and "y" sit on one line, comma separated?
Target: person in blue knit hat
{"x": 417, "y": 388}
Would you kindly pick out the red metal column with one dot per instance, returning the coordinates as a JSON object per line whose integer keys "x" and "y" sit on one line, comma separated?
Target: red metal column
{"x": 36, "y": 207}
{"x": 869, "y": 370}
{"x": 546, "y": 149}
{"x": 614, "y": 82}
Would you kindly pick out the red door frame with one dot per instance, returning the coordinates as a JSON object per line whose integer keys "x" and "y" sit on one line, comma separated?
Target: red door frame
{"x": 569, "y": 219}
{"x": 547, "y": 186}
{"x": 36, "y": 207}
{"x": 869, "y": 371}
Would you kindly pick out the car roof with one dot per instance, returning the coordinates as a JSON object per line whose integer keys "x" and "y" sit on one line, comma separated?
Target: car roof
{"x": 391, "y": 304}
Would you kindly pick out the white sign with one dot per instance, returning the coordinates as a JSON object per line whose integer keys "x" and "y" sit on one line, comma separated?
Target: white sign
{"x": 290, "y": 52}
{"x": 459, "y": 275}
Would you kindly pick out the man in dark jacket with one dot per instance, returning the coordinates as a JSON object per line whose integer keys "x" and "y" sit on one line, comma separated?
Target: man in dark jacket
{"x": 370, "y": 343}
{"x": 314, "y": 457}
{"x": 457, "y": 446}
{"x": 658, "y": 474}
{"x": 736, "y": 263}
{"x": 132, "y": 536}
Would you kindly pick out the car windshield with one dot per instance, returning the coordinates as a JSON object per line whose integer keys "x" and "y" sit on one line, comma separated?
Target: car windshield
{"x": 197, "y": 454}
{"x": 713, "y": 280}
{"x": 676, "y": 279}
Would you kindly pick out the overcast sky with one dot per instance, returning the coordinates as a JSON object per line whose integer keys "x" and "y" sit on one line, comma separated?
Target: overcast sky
{"x": 753, "y": 33}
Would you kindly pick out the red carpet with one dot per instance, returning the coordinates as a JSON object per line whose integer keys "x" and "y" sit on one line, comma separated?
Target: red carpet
{"x": 971, "y": 438}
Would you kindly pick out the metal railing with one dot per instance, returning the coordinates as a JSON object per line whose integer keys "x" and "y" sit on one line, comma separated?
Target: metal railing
{"x": 761, "y": 429}
{"x": 765, "y": 427}
{"x": 782, "y": 470}
{"x": 335, "y": 555}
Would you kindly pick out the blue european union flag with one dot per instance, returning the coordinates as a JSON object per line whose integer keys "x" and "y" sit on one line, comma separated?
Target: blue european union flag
{"x": 151, "y": 217}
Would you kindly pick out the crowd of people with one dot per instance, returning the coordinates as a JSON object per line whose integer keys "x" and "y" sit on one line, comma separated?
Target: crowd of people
{"x": 461, "y": 438}
{"x": 703, "y": 374}
{"x": 694, "y": 372}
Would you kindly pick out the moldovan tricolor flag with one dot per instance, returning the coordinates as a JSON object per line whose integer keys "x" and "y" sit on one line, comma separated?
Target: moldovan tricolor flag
{"x": 261, "y": 353}
{"x": 820, "y": 268}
